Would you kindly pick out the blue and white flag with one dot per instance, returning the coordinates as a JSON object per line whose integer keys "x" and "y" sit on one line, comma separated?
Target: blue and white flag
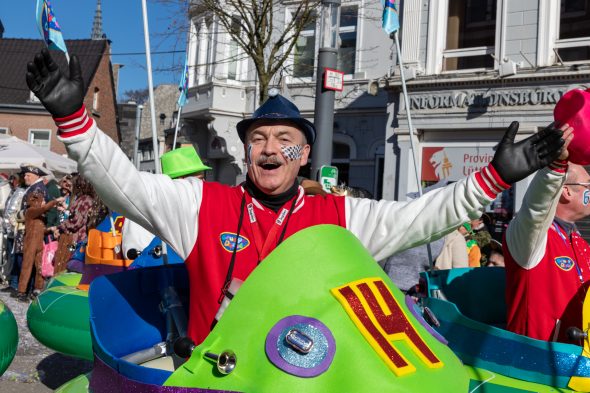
{"x": 183, "y": 85}
{"x": 390, "y": 16}
{"x": 48, "y": 26}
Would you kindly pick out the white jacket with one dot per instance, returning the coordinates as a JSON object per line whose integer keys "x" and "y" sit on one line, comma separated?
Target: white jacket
{"x": 170, "y": 208}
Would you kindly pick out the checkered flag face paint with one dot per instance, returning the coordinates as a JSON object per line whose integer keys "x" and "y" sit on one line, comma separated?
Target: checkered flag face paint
{"x": 292, "y": 153}
{"x": 249, "y": 158}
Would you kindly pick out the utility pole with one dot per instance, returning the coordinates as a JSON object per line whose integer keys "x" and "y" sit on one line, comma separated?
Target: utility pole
{"x": 328, "y": 81}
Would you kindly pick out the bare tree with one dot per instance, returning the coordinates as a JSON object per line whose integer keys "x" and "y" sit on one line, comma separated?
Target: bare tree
{"x": 264, "y": 40}
{"x": 140, "y": 95}
{"x": 258, "y": 28}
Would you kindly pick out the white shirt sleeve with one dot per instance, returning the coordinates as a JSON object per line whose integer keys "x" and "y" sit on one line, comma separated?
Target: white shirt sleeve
{"x": 386, "y": 227}
{"x": 526, "y": 236}
{"x": 165, "y": 207}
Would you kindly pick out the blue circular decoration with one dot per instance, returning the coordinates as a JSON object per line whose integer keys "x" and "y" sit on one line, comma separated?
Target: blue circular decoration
{"x": 300, "y": 363}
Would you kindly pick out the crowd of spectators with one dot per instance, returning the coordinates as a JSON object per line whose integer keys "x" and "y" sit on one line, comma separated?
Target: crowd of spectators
{"x": 40, "y": 210}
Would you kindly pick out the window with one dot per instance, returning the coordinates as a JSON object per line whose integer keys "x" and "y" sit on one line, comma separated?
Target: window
{"x": 204, "y": 50}
{"x": 471, "y": 34}
{"x": 95, "y": 97}
{"x": 5, "y": 130}
{"x": 348, "y": 30}
{"x": 41, "y": 138}
{"x": 303, "y": 59}
{"x": 232, "y": 70}
{"x": 573, "y": 43}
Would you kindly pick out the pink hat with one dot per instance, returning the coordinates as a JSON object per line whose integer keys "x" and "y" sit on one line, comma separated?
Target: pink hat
{"x": 574, "y": 109}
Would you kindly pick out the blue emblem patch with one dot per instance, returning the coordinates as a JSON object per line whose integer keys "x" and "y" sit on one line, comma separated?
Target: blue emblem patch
{"x": 228, "y": 241}
{"x": 564, "y": 263}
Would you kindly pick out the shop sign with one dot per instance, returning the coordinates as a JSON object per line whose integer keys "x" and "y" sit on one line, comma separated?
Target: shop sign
{"x": 475, "y": 99}
{"x": 453, "y": 163}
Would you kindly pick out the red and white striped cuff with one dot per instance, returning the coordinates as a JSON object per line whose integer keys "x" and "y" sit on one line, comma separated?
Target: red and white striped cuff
{"x": 559, "y": 166}
{"x": 75, "y": 124}
{"x": 490, "y": 181}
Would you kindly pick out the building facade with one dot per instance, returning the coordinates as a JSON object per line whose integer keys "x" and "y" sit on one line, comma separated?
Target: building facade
{"x": 476, "y": 66}
{"x": 23, "y": 116}
{"x": 223, "y": 91}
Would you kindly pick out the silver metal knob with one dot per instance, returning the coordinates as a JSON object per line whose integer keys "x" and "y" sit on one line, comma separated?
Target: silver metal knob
{"x": 226, "y": 361}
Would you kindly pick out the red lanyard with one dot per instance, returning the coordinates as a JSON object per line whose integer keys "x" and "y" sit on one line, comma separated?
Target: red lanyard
{"x": 264, "y": 245}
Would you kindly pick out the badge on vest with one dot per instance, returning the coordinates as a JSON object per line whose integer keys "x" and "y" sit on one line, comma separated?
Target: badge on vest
{"x": 564, "y": 263}
{"x": 228, "y": 242}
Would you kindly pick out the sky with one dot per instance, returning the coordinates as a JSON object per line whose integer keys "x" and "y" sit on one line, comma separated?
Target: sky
{"x": 123, "y": 24}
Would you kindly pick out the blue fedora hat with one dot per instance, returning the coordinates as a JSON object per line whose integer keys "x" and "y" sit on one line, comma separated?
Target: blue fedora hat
{"x": 278, "y": 108}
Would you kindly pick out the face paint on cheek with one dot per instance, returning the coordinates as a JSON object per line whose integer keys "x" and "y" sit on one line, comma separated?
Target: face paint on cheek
{"x": 292, "y": 153}
{"x": 249, "y": 158}
{"x": 586, "y": 197}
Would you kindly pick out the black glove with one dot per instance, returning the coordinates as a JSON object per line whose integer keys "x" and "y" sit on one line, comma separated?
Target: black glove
{"x": 60, "y": 95}
{"x": 515, "y": 161}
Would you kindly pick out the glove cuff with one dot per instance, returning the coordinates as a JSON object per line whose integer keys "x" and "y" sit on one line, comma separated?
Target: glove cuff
{"x": 490, "y": 181}
{"x": 559, "y": 166}
{"x": 75, "y": 124}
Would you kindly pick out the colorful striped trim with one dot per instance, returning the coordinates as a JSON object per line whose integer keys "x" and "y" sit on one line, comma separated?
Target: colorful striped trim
{"x": 77, "y": 123}
{"x": 559, "y": 166}
{"x": 490, "y": 181}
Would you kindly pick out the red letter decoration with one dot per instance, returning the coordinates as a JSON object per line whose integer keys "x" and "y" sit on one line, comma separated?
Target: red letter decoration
{"x": 378, "y": 315}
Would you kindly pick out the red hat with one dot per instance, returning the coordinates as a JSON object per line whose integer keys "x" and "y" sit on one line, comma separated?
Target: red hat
{"x": 574, "y": 109}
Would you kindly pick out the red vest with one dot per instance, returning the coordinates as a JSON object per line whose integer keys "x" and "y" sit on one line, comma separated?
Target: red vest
{"x": 219, "y": 215}
{"x": 553, "y": 290}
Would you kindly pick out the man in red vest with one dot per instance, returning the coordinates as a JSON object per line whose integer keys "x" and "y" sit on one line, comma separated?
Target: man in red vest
{"x": 547, "y": 261}
{"x": 224, "y": 232}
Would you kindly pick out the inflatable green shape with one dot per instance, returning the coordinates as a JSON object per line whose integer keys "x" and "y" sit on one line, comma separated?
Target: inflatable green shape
{"x": 65, "y": 279}
{"x": 59, "y": 319}
{"x": 297, "y": 279}
{"x": 8, "y": 337}
{"x": 79, "y": 384}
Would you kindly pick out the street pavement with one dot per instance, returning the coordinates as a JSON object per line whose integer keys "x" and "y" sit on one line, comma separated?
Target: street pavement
{"x": 35, "y": 367}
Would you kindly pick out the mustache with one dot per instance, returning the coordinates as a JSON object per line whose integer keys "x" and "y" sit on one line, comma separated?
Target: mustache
{"x": 264, "y": 159}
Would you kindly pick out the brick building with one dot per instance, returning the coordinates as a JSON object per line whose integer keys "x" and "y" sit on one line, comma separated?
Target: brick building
{"x": 23, "y": 116}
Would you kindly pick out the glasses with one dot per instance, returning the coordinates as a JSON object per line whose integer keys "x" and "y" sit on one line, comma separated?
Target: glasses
{"x": 585, "y": 185}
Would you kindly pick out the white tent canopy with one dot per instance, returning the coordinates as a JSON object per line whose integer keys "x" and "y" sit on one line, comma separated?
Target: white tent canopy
{"x": 15, "y": 152}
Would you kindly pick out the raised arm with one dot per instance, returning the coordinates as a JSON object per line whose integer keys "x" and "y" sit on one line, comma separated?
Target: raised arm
{"x": 526, "y": 236}
{"x": 165, "y": 207}
{"x": 386, "y": 227}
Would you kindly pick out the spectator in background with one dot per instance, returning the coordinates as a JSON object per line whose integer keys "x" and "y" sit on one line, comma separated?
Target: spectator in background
{"x": 10, "y": 228}
{"x": 86, "y": 211}
{"x": 454, "y": 252}
{"x": 53, "y": 192}
{"x": 494, "y": 255}
{"x": 66, "y": 186}
{"x": 33, "y": 248}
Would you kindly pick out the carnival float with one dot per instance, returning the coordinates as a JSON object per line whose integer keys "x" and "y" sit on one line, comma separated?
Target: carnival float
{"x": 59, "y": 317}
{"x": 317, "y": 315}
{"x": 8, "y": 337}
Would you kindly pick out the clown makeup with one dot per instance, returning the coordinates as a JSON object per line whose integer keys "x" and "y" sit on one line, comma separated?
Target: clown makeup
{"x": 586, "y": 197}
{"x": 292, "y": 153}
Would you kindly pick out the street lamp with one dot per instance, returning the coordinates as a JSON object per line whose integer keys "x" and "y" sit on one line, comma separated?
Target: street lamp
{"x": 328, "y": 81}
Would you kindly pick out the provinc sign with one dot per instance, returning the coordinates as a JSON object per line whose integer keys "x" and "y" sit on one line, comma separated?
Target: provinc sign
{"x": 486, "y": 99}
{"x": 453, "y": 163}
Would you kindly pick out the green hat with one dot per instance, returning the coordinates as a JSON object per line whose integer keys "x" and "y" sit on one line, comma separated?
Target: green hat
{"x": 182, "y": 161}
{"x": 467, "y": 226}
